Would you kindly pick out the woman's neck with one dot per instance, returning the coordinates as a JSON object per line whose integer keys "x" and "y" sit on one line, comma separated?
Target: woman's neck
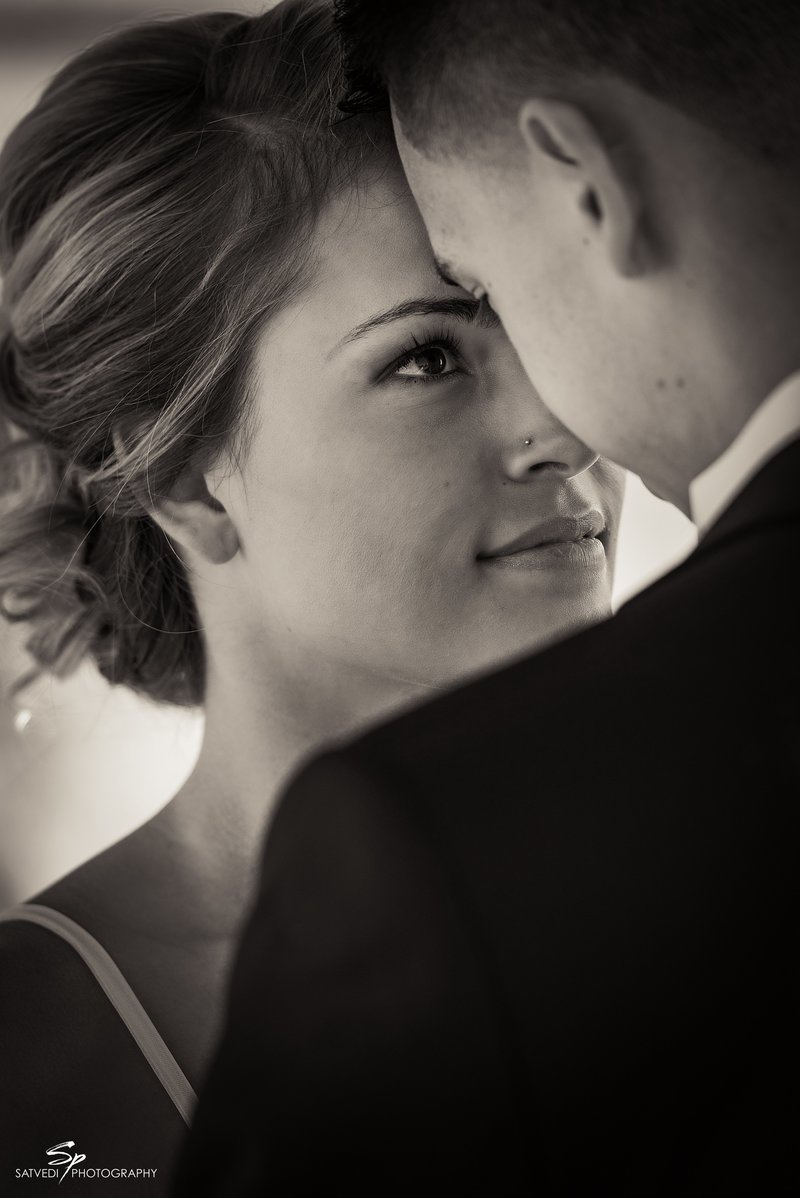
{"x": 168, "y": 901}
{"x": 257, "y": 735}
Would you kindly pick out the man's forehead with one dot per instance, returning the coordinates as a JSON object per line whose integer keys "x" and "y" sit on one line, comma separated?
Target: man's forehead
{"x": 445, "y": 190}
{"x": 441, "y": 195}
{"x": 426, "y": 172}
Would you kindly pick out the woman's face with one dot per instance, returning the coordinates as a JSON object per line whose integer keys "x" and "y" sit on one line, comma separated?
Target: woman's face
{"x": 403, "y": 471}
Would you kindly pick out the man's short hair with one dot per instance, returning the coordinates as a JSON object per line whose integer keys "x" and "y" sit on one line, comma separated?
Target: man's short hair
{"x": 454, "y": 68}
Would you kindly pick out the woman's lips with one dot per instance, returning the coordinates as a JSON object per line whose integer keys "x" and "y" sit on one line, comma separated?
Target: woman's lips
{"x": 586, "y": 554}
{"x": 561, "y": 542}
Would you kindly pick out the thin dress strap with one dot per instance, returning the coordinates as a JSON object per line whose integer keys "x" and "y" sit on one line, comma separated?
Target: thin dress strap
{"x": 121, "y": 997}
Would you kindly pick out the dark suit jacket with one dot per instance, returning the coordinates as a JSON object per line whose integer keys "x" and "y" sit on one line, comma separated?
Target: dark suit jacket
{"x": 538, "y": 936}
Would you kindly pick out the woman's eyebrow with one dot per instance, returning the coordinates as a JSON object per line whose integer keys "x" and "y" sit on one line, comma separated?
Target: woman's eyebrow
{"x": 458, "y": 309}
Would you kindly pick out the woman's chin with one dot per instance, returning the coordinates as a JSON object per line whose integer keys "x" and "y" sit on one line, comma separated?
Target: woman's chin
{"x": 512, "y": 643}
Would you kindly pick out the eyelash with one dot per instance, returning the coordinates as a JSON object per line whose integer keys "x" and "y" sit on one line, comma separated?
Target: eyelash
{"x": 444, "y": 339}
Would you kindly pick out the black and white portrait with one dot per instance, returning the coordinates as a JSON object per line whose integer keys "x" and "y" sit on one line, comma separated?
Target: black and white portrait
{"x": 399, "y": 416}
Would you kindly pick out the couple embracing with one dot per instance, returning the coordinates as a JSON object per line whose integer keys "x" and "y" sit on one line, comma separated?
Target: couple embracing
{"x": 533, "y": 934}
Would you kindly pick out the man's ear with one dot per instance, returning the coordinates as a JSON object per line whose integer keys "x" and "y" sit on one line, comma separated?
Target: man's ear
{"x": 191, "y": 516}
{"x": 562, "y": 140}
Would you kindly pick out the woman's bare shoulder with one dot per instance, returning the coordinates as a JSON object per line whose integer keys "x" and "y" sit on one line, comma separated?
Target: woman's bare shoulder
{"x": 35, "y": 965}
{"x": 69, "y": 1065}
{"x": 43, "y": 983}
{"x": 47, "y": 1002}
{"x": 54, "y": 1015}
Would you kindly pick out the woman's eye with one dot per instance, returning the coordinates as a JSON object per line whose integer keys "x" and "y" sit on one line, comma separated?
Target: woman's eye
{"x": 427, "y": 362}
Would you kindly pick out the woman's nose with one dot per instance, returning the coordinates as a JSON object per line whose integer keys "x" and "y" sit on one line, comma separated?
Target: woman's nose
{"x": 533, "y": 439}
{"x": 548, "y": 446}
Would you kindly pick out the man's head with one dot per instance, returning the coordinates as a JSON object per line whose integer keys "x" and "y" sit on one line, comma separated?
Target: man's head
{"x": 623, "y": 181}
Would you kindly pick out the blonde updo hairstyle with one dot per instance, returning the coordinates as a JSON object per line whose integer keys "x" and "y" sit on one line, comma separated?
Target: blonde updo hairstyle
{"x": 155, "y": 210}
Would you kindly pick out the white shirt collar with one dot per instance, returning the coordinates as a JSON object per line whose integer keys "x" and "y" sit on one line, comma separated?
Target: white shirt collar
{"x": 772, "y": 426}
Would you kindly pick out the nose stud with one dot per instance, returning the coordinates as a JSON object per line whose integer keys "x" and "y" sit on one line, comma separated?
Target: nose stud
{"x": 528, "y": 441}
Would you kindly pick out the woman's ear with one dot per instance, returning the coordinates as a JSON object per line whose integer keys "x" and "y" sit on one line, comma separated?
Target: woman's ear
{"x": 569, "y": 154}
{"x": 191, "y": 516}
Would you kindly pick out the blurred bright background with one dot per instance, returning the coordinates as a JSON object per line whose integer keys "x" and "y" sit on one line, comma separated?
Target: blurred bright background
{"x": 81, "y": 764}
